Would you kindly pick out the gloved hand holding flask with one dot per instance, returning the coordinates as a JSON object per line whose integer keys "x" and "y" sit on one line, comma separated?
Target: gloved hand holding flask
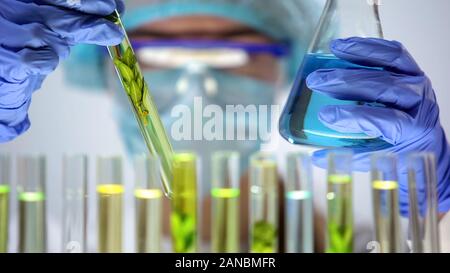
{"x": 409, "y": 122}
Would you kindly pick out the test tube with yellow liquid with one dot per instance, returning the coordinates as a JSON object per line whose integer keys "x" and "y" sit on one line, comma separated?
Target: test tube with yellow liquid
{"x": 4, "y": 201}
{"x": 339, "y": 202}
{"x": 386, "y": 203}
{"x": 148, "y": 200}
{"x": 225, "y": 195}
{"x": 264, "y": 216}
{"x": 110, "y": 204}
{"x": 31, "y": 195}
{"x": 184, "y": 203}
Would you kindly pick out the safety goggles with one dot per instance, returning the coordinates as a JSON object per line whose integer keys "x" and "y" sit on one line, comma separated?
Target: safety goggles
{"x": 260, "y": 61}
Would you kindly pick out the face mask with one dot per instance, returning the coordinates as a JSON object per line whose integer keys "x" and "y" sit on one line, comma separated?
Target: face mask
{"x": 170, "y": 88}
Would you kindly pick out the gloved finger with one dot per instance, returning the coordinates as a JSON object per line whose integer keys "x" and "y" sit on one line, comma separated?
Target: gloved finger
{"x": 386, "y": 123}
{"x": 14, "y": 121}
{"x": 14, "y": 95}
{"x": 374, "y": 52}
{"x": 18, "y": 66}
{"x": 97, "y": 7}
{"x": 32, "y": 35}
{"x": 120, "y": 6}
{"x": 74, "y": 26}
{"x": 395, "y": 90}
{"x": 86, "y": 30}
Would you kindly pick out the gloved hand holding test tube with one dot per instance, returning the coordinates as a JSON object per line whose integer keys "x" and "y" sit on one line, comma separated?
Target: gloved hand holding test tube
{"x": 144, "y": 108}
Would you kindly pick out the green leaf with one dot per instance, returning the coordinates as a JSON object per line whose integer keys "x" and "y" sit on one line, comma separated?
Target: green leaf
{"x": 129, "y": 57}
{"x": 127, "y": 88}
{"x": 136, "y": 94}
{"x": 140, "y": 82}
{"x": 137, "y": 73}
{"x": 125, "y": 72}
{"x": 146, "y": 99}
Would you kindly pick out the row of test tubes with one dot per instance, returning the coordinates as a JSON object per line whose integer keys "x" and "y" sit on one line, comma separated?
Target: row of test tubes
{"x": 226, "y": 208}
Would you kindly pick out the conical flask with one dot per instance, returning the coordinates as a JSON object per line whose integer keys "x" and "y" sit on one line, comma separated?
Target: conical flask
{"x": 299, "y": 123}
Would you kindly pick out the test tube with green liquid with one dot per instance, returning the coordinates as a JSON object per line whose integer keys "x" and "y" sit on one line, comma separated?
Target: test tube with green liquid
{"x": 386, "y": 203}
{"x": 4, "y": 201}
{"x": 225, "y": 194}
{"x": 31, "y": 195}
{"x": 142, "y": 103}
{"x": 263, "y": 222}
{"x": 110, "y": 199}
{"x": 148, "y": 200}
{"x": 339, "y": 202}
{"x": 183, "y": 217}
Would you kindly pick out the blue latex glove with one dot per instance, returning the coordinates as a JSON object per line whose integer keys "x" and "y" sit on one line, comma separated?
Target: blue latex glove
{"x": 34, "y": 37}
{"x": 410, "y": 121}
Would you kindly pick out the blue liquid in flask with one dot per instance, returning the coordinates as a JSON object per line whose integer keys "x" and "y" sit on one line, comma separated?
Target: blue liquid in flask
{"x": 299, "y": 122}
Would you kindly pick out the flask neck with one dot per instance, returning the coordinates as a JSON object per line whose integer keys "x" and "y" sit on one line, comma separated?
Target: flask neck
{"x": 347, "y": 18}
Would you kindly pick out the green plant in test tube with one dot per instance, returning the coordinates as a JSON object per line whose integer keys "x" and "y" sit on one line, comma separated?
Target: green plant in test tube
{"x": 263, "y": 204}
{"x": 225, "y": 195}
{"x": 184, "y": 203}
{"x": 4, "y": 201}
{"x": 339, "y": 202}
{"x": 110, "y": 201}
{"x": 31, "y": 195}
{"x": 148, "y": 199}
{"x": 142, "y": 103}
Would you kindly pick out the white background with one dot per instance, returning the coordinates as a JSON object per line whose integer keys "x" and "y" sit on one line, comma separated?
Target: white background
{"x": 67, "y": 121}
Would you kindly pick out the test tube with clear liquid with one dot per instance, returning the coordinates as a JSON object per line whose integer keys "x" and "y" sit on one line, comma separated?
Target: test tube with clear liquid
{"x": 141, "y": 101}
{"x": 264, "y": 216}
{"x": 5, "y": 189}
{"x": 386, "y": 203}
{"x": 110, "y": 204}
{"x": 148, "y": 201}
{"x": 423, "y": 203}
{"x": 299, "y": 204}
{"x": 225, "y": 195}
{"x": 183, "y": 217}
{"x": 74, "y": 203}
{"x": 31, "y": 195}
{"x": 339, "y": 202}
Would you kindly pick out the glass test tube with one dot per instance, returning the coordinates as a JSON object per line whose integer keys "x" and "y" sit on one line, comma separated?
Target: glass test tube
{"x": 225, "y": 194}
{"x": 148, "y": 196}
{"x": 339, "y": 201}
{"x": 263, "y": 229}
{"x": 75, "y": 195}
{"x": 184, "y": 203}
{"x": 142, "y": 103}
{"x": 4, "y": 201}
{"x": 31, "y": 195}
{"x": 110, "y": 198}
{"x": 299, "y": 205}
{"x": 386, "y": 203}
{"x": 424, "y": 226}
